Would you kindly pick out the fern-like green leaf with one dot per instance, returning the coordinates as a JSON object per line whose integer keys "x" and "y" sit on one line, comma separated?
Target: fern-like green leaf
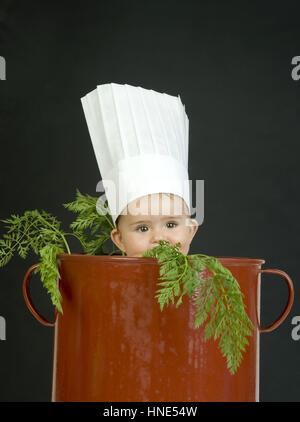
{"x": 217, "y": 297}
{"x": 93, "y": 224}
{"x": 49, "y": 273}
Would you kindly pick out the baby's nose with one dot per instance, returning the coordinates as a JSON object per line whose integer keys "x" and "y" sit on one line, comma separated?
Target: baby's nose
{"x": 157, "y": 235}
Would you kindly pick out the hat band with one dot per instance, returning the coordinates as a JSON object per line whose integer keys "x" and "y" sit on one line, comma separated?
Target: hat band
{"x": 135, "y": 177}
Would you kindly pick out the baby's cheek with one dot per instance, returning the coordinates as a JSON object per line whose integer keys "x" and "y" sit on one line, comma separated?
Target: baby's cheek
{"x": 184, "y": 250}
{"x": 185, "y": 245}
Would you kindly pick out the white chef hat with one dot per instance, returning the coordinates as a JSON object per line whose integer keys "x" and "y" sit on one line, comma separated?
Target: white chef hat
{"x": 140, "y": 140}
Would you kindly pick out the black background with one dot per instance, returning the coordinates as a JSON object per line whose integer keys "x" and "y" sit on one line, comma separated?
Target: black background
{"x": 230, "y": 62}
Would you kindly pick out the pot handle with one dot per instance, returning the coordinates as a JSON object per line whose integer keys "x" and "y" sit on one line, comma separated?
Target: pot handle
{"x": 289, "y": 302}
{"x": 28, "y": 301}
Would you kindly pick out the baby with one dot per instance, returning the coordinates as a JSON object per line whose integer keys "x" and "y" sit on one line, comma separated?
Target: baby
{"x": 140, "y": 139}
{"x": 151, "y": 218}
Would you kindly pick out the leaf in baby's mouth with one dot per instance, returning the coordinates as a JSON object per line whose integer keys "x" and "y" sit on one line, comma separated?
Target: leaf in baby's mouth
{"x": 215, "y": 292}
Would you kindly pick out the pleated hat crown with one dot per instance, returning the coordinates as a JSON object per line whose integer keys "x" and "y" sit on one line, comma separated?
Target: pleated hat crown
{"x": 140, "y": 140}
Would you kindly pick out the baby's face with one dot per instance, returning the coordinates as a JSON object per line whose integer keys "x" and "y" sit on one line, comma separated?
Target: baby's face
{"x": 150, "y": 219}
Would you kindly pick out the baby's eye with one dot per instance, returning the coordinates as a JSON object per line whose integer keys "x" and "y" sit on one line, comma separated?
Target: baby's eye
{"x": 171, "y": 224}
{"x": 139, "y": 228}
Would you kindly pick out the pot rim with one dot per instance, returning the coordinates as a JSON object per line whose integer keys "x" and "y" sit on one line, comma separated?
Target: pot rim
{"x": 229, "y": 260}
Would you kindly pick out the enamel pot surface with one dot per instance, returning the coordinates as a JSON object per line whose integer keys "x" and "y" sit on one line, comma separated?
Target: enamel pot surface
{"x": 113, "y": 343}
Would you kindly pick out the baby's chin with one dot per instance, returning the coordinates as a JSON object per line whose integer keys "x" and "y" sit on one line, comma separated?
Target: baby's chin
{"x": 138, "y": 255}
{"x": 183, "y": 250}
